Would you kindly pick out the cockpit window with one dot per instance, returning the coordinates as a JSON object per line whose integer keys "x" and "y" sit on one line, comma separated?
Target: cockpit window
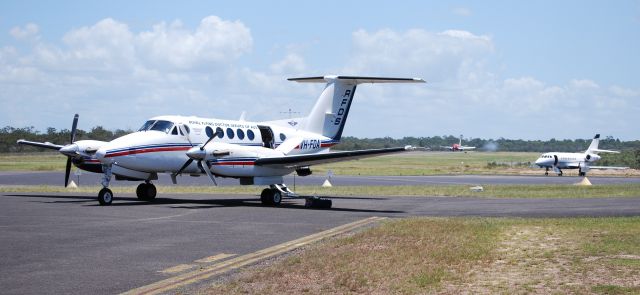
{"x": 146, "y": 125}
{"x": 161, "y": 125}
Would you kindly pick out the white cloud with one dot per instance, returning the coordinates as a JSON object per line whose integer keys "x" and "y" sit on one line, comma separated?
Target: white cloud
{"x": 290, "y": 64}
{"x": 214, "y": 41}
{"x": 467, "y": 95}
{"x": 29, "y": 31}
{"x": 117, "y": 77}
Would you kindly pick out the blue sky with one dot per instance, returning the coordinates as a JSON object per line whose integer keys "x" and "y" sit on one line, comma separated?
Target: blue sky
{"x": 539, "y": 70}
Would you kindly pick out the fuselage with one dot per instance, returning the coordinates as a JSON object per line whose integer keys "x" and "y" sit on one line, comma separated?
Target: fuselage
{"x": 162, "y": 142}
{"x": 566, "y": 160}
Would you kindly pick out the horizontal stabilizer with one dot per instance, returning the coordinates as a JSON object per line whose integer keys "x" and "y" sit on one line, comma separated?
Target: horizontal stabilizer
{"x": 608, "y": 167}
{"x": 356, "y": 79}
{"x": 605, "y": 151}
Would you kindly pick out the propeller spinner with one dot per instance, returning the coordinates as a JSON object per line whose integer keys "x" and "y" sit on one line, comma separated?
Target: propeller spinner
{"x": 198, "y": 153}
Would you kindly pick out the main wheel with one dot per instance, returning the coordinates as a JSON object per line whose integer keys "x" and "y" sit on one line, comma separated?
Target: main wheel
{"x": 582, "y": 173}
{"x": 276, "y": 197}
{"x": 266, "y": 197}
{"x": 141, "y": 191}
{"x": 146, "y": 191}
{"x": 105, "y": 197}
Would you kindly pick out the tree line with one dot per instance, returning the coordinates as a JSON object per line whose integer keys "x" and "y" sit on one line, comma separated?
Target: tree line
{"x": 630, "y": 155}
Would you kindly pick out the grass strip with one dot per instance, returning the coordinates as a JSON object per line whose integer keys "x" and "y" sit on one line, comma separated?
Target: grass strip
{"x": 490, "y": 191}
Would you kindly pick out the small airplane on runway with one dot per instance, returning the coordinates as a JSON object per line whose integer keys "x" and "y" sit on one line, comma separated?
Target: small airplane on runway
{"x": 581, "y": 161}
{"x": 458, "y": 147}
{"x": 256, "y": 153}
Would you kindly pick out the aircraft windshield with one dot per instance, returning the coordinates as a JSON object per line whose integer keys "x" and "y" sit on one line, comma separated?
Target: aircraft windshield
{"x": 146, "y": 125}
{"x": 161, "y": 125}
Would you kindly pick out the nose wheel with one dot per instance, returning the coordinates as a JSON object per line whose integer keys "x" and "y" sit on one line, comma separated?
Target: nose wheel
{"x": 105, "y": 197}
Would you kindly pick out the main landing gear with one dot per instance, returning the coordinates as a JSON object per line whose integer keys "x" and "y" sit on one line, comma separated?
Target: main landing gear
{"x": 273, "y": 195}
{"x": 146, "y": 191}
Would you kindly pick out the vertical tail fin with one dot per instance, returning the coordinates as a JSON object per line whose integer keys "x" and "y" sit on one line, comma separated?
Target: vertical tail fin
{"x": 594, "y": 143}
{"x": 329, "y": 114}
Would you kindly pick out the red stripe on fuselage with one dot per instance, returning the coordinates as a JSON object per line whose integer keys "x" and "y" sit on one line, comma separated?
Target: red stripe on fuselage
{"x": 148, "y": 150}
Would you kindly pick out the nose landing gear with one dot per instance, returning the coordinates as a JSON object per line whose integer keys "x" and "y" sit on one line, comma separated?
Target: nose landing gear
{"x": 105, "y": 196}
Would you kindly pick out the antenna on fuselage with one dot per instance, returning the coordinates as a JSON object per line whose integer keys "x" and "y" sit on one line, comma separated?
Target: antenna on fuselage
{"x": 290, "y": 112}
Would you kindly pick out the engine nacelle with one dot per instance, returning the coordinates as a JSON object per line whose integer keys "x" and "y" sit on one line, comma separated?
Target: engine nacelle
{"x": 591, "y": 158}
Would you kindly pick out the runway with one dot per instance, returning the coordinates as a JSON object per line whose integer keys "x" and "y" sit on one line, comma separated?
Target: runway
{"x": 66, "y": 243}
{"x": 57, "y": 178}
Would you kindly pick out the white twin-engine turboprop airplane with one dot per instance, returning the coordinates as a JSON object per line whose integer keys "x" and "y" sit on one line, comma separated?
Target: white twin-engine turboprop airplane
{"x": 256, "y": 153}
{"x": 581, "y": 161}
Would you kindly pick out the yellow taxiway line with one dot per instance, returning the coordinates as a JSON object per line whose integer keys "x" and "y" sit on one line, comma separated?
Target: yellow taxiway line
{"x": 240, "y": 261}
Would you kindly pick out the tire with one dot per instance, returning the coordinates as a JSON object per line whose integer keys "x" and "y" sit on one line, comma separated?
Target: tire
{"x": 146, "y": 192}
{"x": 266, "y": 198}
{"x": 276, "y": 198}
{"x": 151, "y": 192}
{"x": 105, "y": 197}
{"x": 141, "y": 191}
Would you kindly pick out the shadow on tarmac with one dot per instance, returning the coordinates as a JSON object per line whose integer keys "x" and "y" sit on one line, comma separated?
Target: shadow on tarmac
{"x": 199, "y": 203}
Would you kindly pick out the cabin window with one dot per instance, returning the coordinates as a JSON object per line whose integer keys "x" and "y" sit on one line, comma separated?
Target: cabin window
{"x": 146, "y": 125}
{"x": 240, "y": 134}
{"x": 209, "y": 131}
{"x": 161, "y": 125}
{"x": 220, "y": 132}
{"x": 250, "y": 134}
{"x": 282, "y": 136}
{"x": 230, "y": 134}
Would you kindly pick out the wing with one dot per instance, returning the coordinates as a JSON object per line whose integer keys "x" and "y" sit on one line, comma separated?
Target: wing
{"x": 315, "y": 159}
{"x": 608, "y": 167}
{"x": 46, "y": 145}
{"x": 467, "y": 148}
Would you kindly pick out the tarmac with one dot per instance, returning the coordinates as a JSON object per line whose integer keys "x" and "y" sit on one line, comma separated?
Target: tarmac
{"x": 64, "y": 243}
{"x": 86, "y": 178}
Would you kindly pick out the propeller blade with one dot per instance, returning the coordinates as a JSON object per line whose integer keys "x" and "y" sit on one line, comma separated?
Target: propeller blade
{"x": 187, "y": 163}
{"x": 73, "y": 129}
{"x": 208, "y": 172}
{"x": 184, "y": 131}
{"x": 210, "y": 139}
{"x": 67, "y": 172}
{"x": 207, "y": 142}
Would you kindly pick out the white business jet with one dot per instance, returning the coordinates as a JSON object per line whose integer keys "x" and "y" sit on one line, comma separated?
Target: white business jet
{"x": 581, "y": 161}
{"x": 256, "y": 153}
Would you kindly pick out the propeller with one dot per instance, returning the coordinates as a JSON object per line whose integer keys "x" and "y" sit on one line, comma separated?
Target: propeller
{"x": 198, "y": 154}
{"x": 67, "y": 171}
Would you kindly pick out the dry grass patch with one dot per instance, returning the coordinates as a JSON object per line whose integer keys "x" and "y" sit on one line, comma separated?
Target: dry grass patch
{"x": 405, "y": 256}
{"x": 460, "y": 256}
